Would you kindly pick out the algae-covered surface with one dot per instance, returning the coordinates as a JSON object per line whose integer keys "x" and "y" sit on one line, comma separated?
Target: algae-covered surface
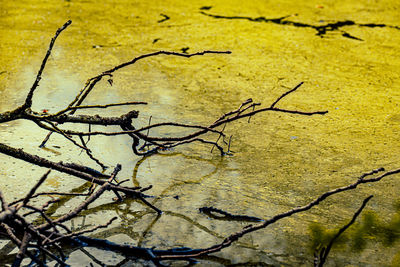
{"x": 345, "y": 52}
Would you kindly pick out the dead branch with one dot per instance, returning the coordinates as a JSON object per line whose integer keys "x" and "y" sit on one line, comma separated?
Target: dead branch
{"x": 324, "y": 251}
{"x": 321, "y": 30}
{"x": 28, "y": 100}
{"x": 76, "y": 171}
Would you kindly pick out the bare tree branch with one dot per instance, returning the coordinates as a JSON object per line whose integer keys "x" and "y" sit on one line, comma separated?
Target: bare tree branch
{"x": 28, "y": 100}
{"x": 325, "y": 251}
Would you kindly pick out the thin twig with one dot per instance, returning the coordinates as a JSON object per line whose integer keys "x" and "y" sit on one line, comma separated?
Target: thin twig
{"x": 89, "y": 153}
{"x": 104, "y": 106}
{"x": 326, "y": 251}
{"x": 28, "y": 100}
{"x": 285, "y": 94}
{"x": 34, "y": 188}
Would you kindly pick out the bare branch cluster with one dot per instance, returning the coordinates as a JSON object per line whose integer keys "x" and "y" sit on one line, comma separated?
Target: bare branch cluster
{"x": 143, "y": 142}
{"x": 50, "y": 236}
{"x": 18, "y": 220}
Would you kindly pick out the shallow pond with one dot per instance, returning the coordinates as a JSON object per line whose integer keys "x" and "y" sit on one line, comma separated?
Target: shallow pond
{"x": 345, "y": 52}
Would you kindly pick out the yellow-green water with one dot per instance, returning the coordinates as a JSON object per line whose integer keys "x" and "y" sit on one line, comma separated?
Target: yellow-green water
{"x": 281, "y": 161}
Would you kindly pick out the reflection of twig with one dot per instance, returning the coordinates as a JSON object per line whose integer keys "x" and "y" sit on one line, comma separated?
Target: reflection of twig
{"x": 135, "y": 171}
{"x": 223, "y": 215}
{"x": 93, "y": 258}
{"x": 81, "y": 232}
{"x": 147, "y": 230}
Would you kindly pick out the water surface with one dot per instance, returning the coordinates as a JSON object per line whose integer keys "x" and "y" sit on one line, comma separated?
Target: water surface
{"x": 281, "y": 161}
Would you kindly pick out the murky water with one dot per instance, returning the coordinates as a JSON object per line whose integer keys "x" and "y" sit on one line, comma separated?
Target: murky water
{"x": 281, "y": 161}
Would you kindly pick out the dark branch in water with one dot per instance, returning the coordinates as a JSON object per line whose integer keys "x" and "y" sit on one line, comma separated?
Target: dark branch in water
{"x": 324, "y": 252}
{"x": 322, "y": 30}
{"x": 164, "y": 19}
